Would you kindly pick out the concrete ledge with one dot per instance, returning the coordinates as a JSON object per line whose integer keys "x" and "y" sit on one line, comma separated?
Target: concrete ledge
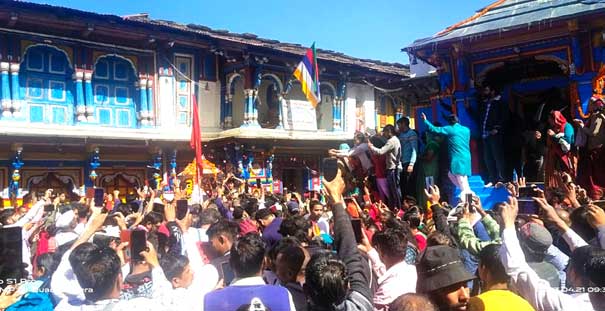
{"x": 179, "y": 134}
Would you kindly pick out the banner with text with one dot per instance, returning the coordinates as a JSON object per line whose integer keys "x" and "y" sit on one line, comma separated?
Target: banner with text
{"x": 299, "y": 115}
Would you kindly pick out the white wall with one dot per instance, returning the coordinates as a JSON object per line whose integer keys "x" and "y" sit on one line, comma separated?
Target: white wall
{"x": 364, "y": 96}
{"x": 165, "y": 111}
{"x": 209, "y": 102}
{"x": 420, "y": 69}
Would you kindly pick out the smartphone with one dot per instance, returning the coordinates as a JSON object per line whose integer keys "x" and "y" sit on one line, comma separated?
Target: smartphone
{"x": 49, "y": 207}
{"x": 356, "y": 223}
{"x": 90, "y": 193}
{"x": 527, "y": 192}
{"x": 125, "y": 235}
{"x": 11, "y": 269}
{"x": 429, "y": 182}
{"x": 469, "y": 200}
{"x": 138, "y": 244}
{"x": 99, "y": 197}
{"x": 158, "y": 208}
{"x": 181, "y": 209}
{"x": 228, "y": 274}
{"x": 528, "y": 207}
{"x": 329, "y": 168}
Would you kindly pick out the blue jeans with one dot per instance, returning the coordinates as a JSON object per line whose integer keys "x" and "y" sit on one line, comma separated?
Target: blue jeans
{"x": 394, "y": 190}
{"x": 493, "y": 156}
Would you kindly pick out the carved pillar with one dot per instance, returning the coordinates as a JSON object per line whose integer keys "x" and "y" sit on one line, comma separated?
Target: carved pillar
{"x": 15, "y": 89}
{"x": 254, "y": 121}
{"x": 143, "y": 104}
{"x": 80, "y": 103}
{"x": 280, "y": 109}
{"x": 6, "y": 91}
{"x": 17, "y": 164}
{"x": 247, "y": 110}
{"x": 229, "y": 111}
{"x": 150, "y": 108}
{"x": 88, "y": 95}
{"x": 95, "y": 162}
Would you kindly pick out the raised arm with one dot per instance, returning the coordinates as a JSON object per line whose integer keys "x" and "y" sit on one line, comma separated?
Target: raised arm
{"x": 344, "y": 240}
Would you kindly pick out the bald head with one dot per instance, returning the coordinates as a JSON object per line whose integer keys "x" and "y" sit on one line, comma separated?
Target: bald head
{"x": 412, "y": 302}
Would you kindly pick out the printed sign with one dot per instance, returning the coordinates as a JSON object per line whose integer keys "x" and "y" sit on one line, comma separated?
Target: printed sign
{"x": 299, "y": 115}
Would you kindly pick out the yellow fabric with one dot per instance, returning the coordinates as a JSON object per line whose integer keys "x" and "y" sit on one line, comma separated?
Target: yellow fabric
{"x": 499, "y": 300}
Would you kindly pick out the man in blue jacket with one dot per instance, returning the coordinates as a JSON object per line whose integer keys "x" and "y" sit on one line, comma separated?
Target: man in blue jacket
{"x": 458, "y": 148}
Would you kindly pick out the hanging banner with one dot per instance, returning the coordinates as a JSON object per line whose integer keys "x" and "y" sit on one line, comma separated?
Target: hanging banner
{"x": 299, "y": 115}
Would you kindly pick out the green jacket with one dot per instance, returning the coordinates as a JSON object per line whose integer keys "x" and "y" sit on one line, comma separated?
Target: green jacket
{"x": 468, "y": 240}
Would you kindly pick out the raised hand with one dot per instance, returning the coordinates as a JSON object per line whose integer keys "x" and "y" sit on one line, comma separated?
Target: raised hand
{"x": 433, "y": 194}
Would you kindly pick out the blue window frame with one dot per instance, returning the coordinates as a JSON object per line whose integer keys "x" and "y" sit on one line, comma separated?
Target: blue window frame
{"x": 114, "y": 92}
{"x": 46, "y": 85}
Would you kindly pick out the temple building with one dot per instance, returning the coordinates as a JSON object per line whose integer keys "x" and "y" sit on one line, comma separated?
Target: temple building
{"x": 101, "y": 100}
{"x": 541, "y": 55}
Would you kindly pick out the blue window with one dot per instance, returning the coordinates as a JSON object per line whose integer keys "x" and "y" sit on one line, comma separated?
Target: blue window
{"x": 114, "y": 82}
{"x": 46, "y": 85}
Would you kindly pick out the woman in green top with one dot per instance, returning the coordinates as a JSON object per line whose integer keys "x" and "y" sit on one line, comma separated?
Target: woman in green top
{"x": 429, "y": 164}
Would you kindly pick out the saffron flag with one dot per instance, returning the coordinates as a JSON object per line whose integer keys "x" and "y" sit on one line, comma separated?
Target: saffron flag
{"x": 196, "y": 139}
{"x": 308, "y": 74}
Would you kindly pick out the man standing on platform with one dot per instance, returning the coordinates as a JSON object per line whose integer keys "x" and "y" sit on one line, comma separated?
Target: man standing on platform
{"x": 492, "y": 116}
{"x": 409, "y": 150}
{"x": 458, "y": 141}
{"x": 392, "y": 150}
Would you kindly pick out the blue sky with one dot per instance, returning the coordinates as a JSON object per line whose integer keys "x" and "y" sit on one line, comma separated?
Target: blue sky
{"x": 375, "y": 29}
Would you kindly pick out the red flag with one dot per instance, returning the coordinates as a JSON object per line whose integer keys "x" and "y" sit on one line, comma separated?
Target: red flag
{"x": 196, "y": 139}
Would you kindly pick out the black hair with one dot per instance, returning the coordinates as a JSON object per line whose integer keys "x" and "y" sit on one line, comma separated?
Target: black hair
{"x": 209, "y": 216}
{"x": 173, "y": 265}
{"x": 404, "y": 120}
{"x": 263, "y": 214}
{"x": 296, "y": 226}
{"x": 247, "y": 255}
{"x": 595, "y": 267}
{"x": 391, "y": 242}
{"x": 489, "y": 257}
{"x": 579, "y": 261}
{"x": 580, "y": 224}
{"x": 326, "y": 281}
{"x": 238, "y": 213}
{"x": 224, "y": 227}
{"x": 48, "y": 262}
{"x": 412, "y": 216}
{"x": 99, "y": 272}
{"x": 293, "y": 256}
{"x": 5, "y": 215}
{"x": 404, "y": 226}
{"x": 65, "y": 208}
{"x": 103, "y": 240}
{"x": 378, "y": 141}
{"x": 361, "y": 137}
{"x": 250, "y": 205}
{"x": 282, "y": 244}
{"x": 313, "y": 203}
{"x": 152, "y": 218}
{"x": 389, "y": 128}
{"x": 80, "y": 253}
{"x": 81, "y": 209}
{"x": 412, "y": 302}
{"x": 437, "y": 238}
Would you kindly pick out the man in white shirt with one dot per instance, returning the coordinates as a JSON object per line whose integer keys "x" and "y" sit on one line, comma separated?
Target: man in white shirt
{"x": 529, "y": 285}
{"x": 246, "y": 260}
{"x": 388, "y": 263}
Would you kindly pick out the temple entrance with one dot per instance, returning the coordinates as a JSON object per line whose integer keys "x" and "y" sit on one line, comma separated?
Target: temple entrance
{"x": 532, "y": 87}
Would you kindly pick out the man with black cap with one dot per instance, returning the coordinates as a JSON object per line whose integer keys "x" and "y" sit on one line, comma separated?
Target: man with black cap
{"x": 442, "y": 276}
{"x": 458, "y": 148}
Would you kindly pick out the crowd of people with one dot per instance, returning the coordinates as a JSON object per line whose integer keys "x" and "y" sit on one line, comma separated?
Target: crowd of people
{"x": 383, "y": 234}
